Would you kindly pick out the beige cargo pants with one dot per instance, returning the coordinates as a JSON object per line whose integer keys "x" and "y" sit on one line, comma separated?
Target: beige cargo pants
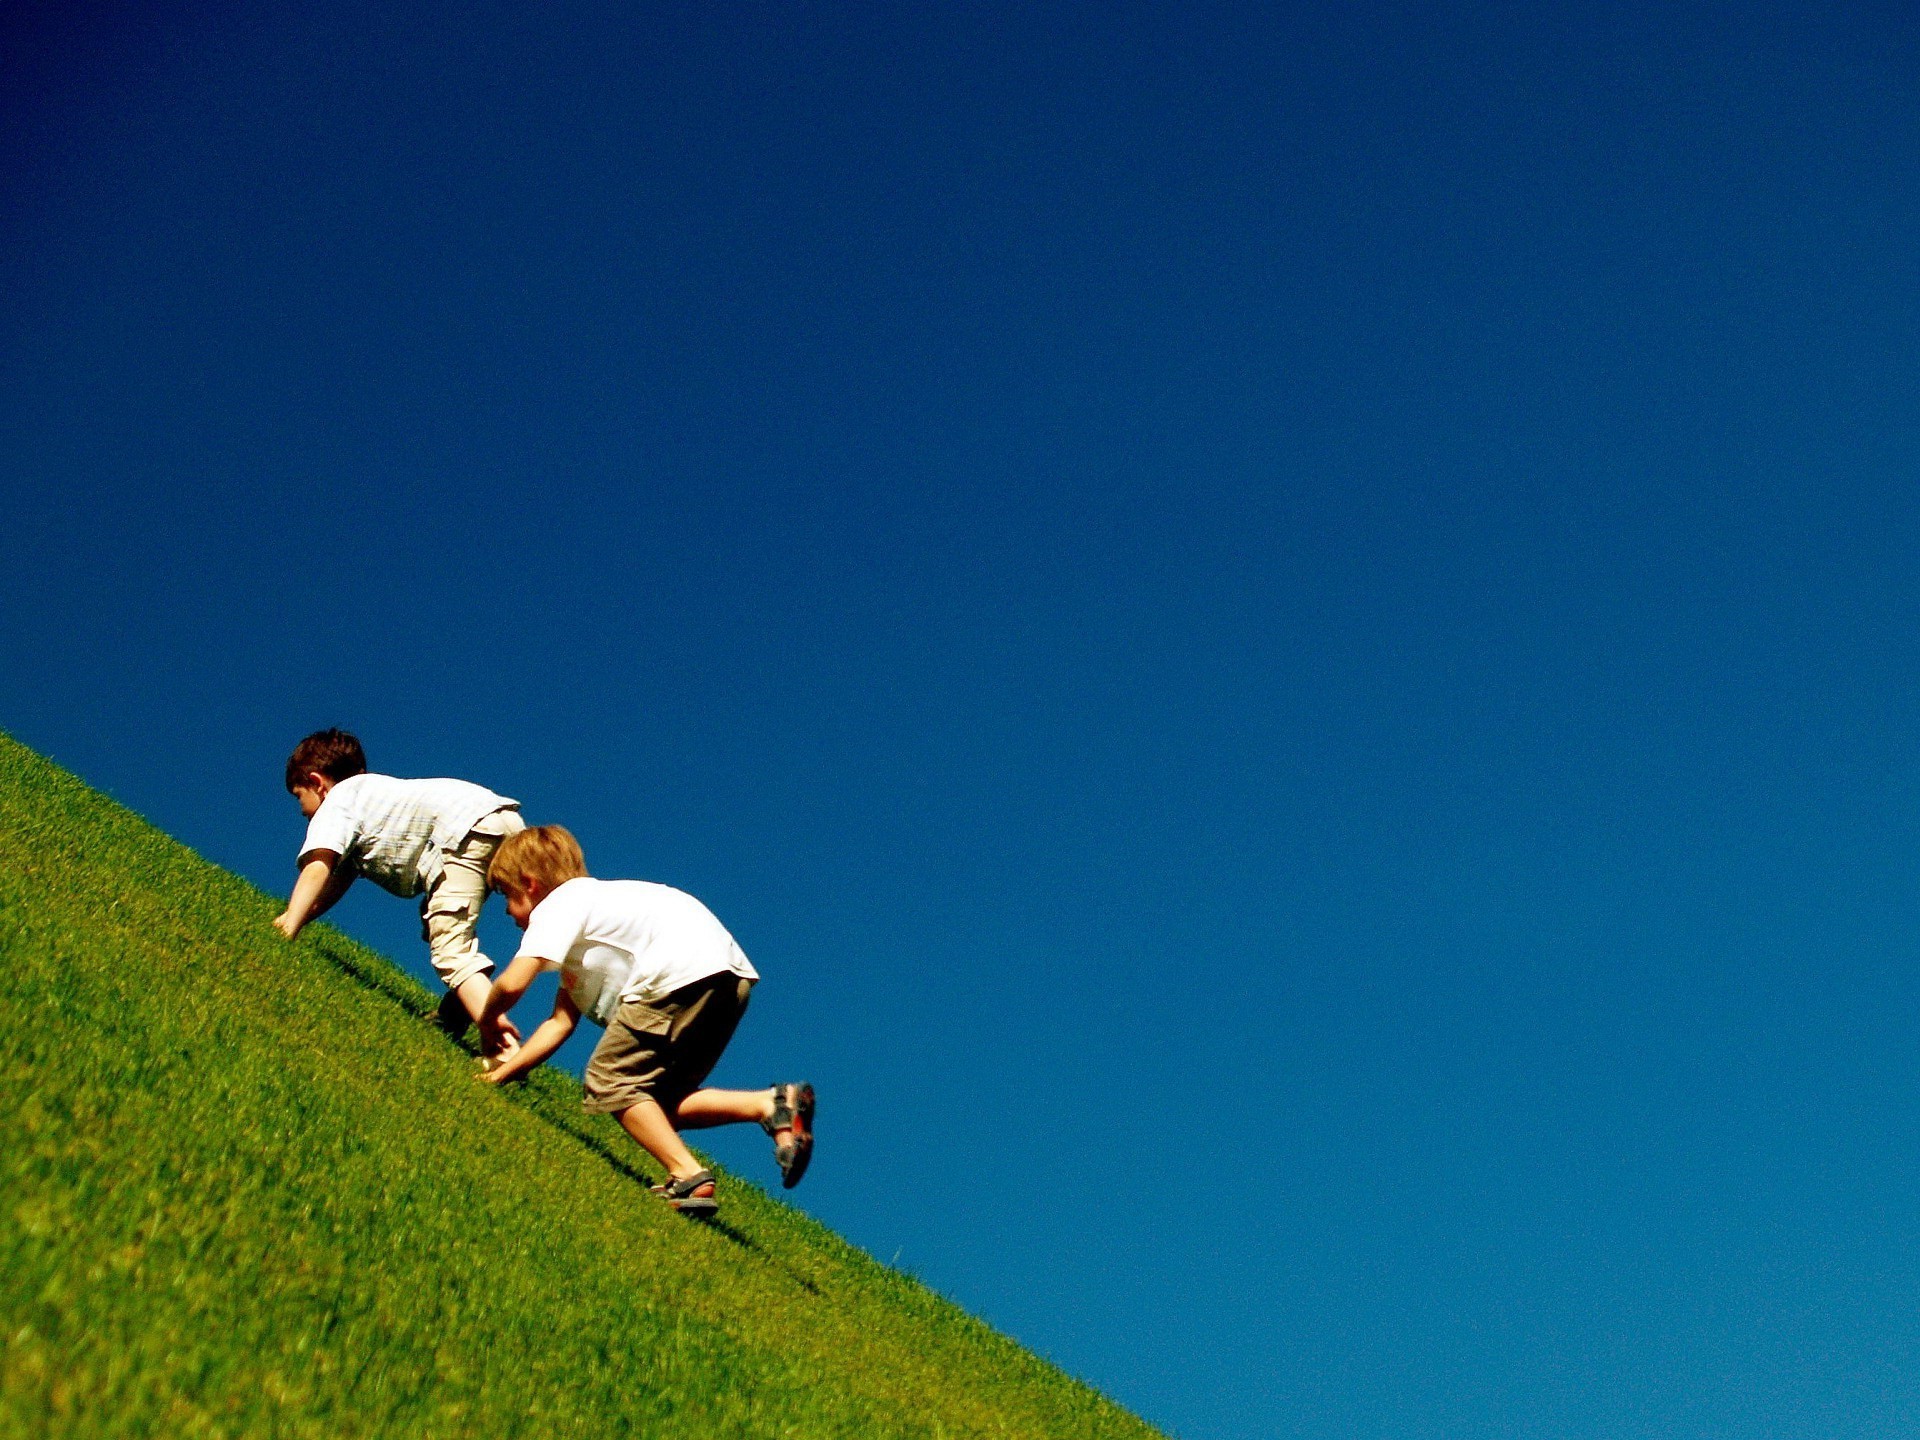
{"x": 450, "y": 910}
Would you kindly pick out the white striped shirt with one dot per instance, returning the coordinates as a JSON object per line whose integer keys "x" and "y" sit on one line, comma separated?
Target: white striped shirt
{"x": 394, "y": 832}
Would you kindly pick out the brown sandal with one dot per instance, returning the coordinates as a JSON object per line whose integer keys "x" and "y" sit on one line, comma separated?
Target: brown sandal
{"x": 691, "y": 1196}
{"x": 792, "y": 1112}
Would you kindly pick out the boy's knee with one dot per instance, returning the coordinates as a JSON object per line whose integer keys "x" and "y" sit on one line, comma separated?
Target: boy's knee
{"x": 456, "y": 970}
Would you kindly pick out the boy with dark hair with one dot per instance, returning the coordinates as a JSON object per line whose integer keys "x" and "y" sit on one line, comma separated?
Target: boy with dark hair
{"x": 664, "y": 977}
{"x": 431, "y": 838}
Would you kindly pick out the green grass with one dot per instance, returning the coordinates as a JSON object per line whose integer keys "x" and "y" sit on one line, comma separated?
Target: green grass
{"x": 248, "y": 1189}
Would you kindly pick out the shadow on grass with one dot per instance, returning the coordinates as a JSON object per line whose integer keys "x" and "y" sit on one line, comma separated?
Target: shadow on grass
{"x": 536, "y": 1103}
{"x": 447, "y": 1015}
{"x": 382, "y": 980}
{"x": 379, "y": 977}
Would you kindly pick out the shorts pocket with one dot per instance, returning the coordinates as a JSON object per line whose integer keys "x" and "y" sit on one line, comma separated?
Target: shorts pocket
{"x": 441, "y": 913}
{"x": 644, "y": 1019}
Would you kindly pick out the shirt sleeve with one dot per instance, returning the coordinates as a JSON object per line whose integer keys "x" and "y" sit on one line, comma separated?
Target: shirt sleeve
{"x": 331, "y": 828}
{"x": 553, "y": 930}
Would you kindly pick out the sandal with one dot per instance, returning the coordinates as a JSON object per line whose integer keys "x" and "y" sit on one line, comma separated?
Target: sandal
{"x": 691, "y": 1196}
{"x": 792, "y": 1112}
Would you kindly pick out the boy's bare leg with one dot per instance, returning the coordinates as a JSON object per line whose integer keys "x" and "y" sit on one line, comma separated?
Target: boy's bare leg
{"x": 469, "y": 997}
{"x": 704, "y": 1109}
{"x": 473, "y": 995}
{"x": 647, "y": 1123}
{"x": 792, "y": 1140}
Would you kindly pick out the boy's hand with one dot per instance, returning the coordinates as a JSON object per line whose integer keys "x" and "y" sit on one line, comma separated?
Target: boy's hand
{"x": 513, "y": 1063}
{"x": 496, "y": 1070}
{"x": 499, "y": 1036}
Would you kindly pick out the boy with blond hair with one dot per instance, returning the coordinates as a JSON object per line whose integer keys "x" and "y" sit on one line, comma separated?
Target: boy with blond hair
{"x": 431, "y": 838}
{"x": 652, "y": 965}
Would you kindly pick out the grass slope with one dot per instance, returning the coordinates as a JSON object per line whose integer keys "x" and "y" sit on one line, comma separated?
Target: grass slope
{"x": 249, "y": 1190}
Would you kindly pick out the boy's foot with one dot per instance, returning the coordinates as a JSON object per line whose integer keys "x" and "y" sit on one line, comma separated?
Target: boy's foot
{"x": 793, "y": 1113}
{"x": 451, "y": 1016}
{"x": 691, "y": 1196}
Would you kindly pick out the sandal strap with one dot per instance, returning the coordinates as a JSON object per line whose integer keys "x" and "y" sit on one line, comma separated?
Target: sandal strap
{"x": 680, "y": 1189}
{"x": 782, "y": 1116}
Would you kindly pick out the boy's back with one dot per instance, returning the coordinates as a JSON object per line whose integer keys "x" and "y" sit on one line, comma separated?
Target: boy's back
{"x": 391, "y": 830}
{"x": 630, "y": 940}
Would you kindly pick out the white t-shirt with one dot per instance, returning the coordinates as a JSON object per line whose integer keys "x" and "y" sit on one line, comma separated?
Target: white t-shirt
{"x": 394, "y": 832}
{"x": 619, "y": 940}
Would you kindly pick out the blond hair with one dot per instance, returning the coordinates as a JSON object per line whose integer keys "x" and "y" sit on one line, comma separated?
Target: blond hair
{"x": 545, "y": 853}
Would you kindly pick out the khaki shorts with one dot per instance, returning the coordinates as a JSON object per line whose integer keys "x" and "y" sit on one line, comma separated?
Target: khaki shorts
{"x": 661, "y": 1050}
{"x": 450, "y": 910}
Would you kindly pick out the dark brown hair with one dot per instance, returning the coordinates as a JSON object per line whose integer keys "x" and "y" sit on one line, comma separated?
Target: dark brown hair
{"x": 332, "y": 753}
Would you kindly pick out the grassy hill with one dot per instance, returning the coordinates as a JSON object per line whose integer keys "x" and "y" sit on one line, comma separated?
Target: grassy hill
{"x": 249, "y": 1190}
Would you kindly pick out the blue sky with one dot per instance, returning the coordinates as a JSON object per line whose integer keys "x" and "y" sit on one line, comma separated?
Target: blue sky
{"x": 1288, "y": 635}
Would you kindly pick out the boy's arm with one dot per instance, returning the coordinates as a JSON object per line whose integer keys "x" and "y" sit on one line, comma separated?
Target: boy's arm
{"x": 505, "y": 992}
{"x": 508, "y": 986}
{"x": 338, "y": 883}
{"x": 550, "y": 1035}
{"x": 323, "y": 880}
